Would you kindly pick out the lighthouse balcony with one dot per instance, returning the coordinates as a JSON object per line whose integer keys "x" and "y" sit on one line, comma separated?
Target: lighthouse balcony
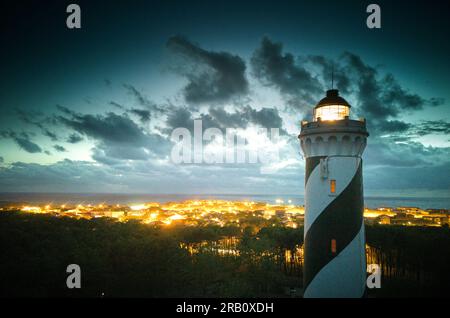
{"x": 338, "y": 126}
{"x": 338, "y": 138}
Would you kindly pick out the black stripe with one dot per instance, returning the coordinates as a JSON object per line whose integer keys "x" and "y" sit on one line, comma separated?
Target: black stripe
{"x": 311, "y": 163}
{"x": 341, "y": 220}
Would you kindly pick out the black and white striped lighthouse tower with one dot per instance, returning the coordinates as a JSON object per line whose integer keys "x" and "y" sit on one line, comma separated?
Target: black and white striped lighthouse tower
{"x": 334, "y": 245}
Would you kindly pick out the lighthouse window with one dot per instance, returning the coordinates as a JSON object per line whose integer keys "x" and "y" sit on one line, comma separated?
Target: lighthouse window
{"x": 332, "y": 112}
{"x": 333, "y": 246}
{"x": 333, "y": 186}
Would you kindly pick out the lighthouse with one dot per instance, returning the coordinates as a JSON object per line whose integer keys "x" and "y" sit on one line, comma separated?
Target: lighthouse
{"x": 334, "y": 241}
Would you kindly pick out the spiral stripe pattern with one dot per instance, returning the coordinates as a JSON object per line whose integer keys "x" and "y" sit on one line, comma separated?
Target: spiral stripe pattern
{"x": 335, "y": 264}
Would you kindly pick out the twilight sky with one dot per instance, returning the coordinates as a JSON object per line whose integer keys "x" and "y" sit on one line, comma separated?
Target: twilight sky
{"x": 92, "y": 110}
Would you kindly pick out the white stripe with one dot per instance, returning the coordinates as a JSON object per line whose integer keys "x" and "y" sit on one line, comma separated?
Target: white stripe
{"x": 344, "y": 276}
{"x": 317, "y": 190}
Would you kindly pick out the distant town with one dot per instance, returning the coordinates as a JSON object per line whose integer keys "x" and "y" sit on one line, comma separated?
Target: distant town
{"x": 226, "y": 213}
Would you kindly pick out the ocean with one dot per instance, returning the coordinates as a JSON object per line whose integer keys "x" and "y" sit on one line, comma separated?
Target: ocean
{"x": 97, "y": 198}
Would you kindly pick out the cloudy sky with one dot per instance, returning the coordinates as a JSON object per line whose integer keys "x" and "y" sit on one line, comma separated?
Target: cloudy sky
{"x": 93, "y": 110}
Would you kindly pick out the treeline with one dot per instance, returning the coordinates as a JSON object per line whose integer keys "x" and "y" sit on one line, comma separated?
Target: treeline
{"x": 413, "y": 259}
{"x": 126, "y": 260}
{"x": 137, "y": 260}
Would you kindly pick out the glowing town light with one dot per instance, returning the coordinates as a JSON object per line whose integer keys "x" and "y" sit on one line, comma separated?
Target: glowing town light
{"x": 371, "y": 214}
{"x": 153, "y": 216}
{"x": 176, "y": 217}
{"x": 138, "y": 207}
{"x": 34, "y": 209}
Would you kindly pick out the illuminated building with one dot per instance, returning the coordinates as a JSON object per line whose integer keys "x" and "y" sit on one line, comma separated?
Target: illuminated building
{"x": 335, "y": 263}
{"x": 226, "y": 213}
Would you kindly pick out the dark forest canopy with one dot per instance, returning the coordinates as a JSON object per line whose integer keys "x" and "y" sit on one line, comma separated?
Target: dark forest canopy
{"x": 130, "y": 259}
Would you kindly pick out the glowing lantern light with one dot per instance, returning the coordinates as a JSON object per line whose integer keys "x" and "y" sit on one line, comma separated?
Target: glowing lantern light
{"x": 332, "y": 107}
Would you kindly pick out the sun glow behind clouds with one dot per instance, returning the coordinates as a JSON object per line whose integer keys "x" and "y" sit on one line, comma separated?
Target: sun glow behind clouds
{"x": 434, "y": 140}
{"x": 254, "y": 141}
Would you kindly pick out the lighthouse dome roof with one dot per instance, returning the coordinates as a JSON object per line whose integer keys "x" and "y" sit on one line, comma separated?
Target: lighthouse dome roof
{"x": 332, "y": 98}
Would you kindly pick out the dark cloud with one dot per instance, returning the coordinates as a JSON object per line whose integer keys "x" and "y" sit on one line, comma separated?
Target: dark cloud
{"x": 368, "y": 90}
{"x": 117, "y": 136}
{"x": 65, "y": 110}
{"x": 50, "y": 134}
{"x": 386, "y": 153}
{"x": 396, "y": 96}
{"x": 381, "y": 99}
{"x": 216, "y": 117}
{"x": 141, "y": 98}
{"x": 265, "y": 117}
{"x": 73, "y": 176}
{"x": 74, "y": 138}
{"x": 428, "y": 127}
{"x": 22, "y": 140}
{"x": 180, "y": 117}
{"x": 36, "y": 118}
{"x": 212, "y": 76}
{"x": 108, "y": 128}
{"x": 274, "y": 68}
{"x": 117, "y": 105}
{"x": 148, "y": 107}
{"x": 220, "y": 118}
{"x": 410, "y": 131}
{"x": 389, "y": 152}
{"x": 59, "y": 148}
{"x": 428, "y": 177}
{"x": 333, "y": 73}
{"x": 27, "y": 145}
{"x": 138, "y": 176}
{"x": 436, "y": 101}
{"x": 391, "y": 126}
{"x": 144, "y": 115}
{"x": 1, "y": 159}
{"x": 100, "y": 156}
